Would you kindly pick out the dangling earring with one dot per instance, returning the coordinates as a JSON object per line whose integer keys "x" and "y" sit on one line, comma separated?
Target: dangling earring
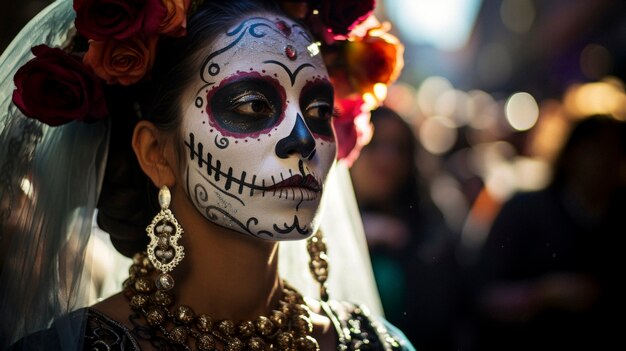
{"x": 318, "y": 264}
{"x": 164, "y": 252}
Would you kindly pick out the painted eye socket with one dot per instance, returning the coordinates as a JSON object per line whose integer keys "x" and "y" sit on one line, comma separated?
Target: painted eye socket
{"x": 247, "y": 106}
{"x": 319, "y": 110}
{"x": 252, "y": 105}
{"x": 316, "y": 100}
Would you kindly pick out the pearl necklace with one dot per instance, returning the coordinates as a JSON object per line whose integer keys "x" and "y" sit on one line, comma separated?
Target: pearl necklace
{"x": 286, "y": 328}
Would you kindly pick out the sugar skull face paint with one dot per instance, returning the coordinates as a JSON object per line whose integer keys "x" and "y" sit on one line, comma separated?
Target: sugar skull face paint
{"x": 258, "y": 133}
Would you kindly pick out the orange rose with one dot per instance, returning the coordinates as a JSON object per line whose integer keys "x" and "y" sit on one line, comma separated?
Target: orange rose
{"x": 175, "y": 22}
{"x": 375, "y": 58}
{"x": 121, "y": 62}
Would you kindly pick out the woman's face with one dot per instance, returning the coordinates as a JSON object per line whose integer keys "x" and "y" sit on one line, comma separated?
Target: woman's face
{"x": 257, "y": 130}
{"x": 384, "y": 164}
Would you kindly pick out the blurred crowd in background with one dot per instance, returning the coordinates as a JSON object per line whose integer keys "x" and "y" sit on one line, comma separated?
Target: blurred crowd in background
{"x": 493, "y": 189}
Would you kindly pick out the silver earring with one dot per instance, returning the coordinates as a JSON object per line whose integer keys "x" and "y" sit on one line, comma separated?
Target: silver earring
{"x": 164, "y": 252}
{"x": 318, "y": 264}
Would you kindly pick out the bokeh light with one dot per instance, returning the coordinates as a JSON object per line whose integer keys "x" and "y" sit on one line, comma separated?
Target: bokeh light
{"x": 531, "y": 174}
{"x": 445, "y": 24}
{"x": 605, "y": 97}
{"x": 437, "y": 134}
{"x": 429, "y": 92}
{"x": 453, "y": 104}
{"x": 521, "y": 111}
{"x": 401, "y": 98}
{"x": 446, "y": 193}
{"x": 517, "y": 15}
{"x": 483, "y": 110}
{"x": 595, "y": 61}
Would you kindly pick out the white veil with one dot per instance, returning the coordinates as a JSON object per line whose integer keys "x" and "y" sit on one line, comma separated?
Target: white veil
{"x": 350, "y": 272}
{"x": 49, "y": 181}
{"x": 50, "y": 178}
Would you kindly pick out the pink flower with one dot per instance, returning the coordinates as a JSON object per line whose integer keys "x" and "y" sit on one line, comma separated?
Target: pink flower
{"x": 56, "y": 88}
{"x": 352, "y": 128}
{"x": 118, "y": 19}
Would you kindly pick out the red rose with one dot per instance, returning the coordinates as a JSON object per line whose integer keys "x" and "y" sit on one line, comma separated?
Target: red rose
{"x": 57, "y": 88}
{"x": 118, "y": 19}
{"x": 342, "y": 16}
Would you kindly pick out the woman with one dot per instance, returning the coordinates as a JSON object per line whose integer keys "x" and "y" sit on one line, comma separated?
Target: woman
{"x": 549, "y": 272}
{"x": 410, "y": 245}
{"x": 227, "y": 110}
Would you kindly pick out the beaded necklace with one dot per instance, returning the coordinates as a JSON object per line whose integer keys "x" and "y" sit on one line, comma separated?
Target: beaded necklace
{"x": 286, "y": 328}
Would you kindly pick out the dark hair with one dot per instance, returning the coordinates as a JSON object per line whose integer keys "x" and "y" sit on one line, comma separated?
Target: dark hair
{"x": 385, "y": 113}
{"x": 127, "y": 200}
{"x": 408, "y": 193}
{"x": 594, "y": 128}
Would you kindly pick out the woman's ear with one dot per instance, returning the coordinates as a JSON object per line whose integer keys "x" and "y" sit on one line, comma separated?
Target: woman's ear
{"x": 149, "y": 145}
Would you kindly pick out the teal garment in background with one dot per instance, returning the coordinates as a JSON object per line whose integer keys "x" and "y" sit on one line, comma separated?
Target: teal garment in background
{"x": 391, "y": 283}
{"x": 399, "y": 335}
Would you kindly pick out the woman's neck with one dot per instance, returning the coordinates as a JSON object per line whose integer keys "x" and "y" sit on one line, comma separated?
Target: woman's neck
{"x": 224, "y": 274}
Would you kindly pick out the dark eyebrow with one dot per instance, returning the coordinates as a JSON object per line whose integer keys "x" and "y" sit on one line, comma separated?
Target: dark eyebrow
{"x": 294, "y": 74}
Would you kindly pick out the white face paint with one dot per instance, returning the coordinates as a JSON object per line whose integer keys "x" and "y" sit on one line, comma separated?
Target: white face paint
{"x": 258, "y": 133}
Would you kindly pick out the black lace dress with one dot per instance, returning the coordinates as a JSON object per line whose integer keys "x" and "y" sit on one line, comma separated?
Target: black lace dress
{"x": 356, "y": 329}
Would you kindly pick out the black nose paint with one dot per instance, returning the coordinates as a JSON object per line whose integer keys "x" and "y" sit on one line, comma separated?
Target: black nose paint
{"x": 300, "y": 141}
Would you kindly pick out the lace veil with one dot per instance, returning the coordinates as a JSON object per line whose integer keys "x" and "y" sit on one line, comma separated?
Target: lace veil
{"x": 50, "y": 179}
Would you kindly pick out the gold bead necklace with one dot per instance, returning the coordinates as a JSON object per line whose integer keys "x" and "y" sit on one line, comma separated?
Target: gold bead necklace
{"x": 286, "y": 328}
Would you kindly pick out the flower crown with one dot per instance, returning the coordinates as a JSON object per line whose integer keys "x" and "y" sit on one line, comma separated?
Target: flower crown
{"x": 60, "y": 85}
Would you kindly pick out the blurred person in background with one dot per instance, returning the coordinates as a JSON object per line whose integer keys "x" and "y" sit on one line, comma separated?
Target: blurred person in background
{"x": 548, "y": 274}
{"x": 411, "y": 247}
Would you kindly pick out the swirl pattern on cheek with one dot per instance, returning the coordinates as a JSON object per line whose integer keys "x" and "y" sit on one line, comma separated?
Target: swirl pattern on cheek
{"x": 222, "y": 142}
{"x": 217, "y": 214}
